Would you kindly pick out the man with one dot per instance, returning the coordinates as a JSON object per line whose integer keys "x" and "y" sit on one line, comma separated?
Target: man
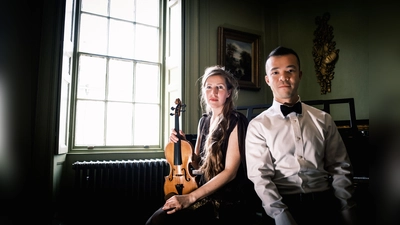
{"x": 297, "y": 159}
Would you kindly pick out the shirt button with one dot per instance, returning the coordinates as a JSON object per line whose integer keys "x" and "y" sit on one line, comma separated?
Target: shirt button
{"x": 298, "y": 138}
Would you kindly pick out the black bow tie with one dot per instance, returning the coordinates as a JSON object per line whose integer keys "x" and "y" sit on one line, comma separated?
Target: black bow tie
{"x": 287, "y": 109}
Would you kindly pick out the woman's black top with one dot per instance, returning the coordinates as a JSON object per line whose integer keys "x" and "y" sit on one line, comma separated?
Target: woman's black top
{"x": 238, "y": 189}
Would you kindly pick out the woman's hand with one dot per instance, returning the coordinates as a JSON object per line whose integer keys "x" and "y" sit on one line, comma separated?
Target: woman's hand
{"x": 178, "y": 202}
{"x": 174, "y": 138}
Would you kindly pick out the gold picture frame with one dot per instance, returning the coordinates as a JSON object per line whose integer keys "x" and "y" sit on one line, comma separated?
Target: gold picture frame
{"x": 238, "y": 52}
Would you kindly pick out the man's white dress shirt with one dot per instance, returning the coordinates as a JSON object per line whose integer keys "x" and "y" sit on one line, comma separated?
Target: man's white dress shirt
{"x": 296, "y": 154}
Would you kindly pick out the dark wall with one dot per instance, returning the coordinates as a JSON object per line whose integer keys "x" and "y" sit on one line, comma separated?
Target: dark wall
{"x": 23, "y": 184}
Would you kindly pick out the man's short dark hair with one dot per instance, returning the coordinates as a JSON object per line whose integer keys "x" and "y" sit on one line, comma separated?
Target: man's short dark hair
{"x": 279, "y": 51}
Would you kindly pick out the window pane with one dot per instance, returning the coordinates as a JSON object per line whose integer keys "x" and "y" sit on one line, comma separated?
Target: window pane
{"x": 120, "y": 87}
{"x": 121, "y": 39}
{"x": 144, "y": 50}
{"x": 118, "y": 74}
{"x": 147, "y": 83}
{"x": 122, "y": 9}
{"x": 95, "y": 6}
{"x": 93, "y": 34}
{"x": 147, "y": 119}
{"x": 91, "y": 77}
{"x": 147, "y": 12}
{"x": 119, "y": 124}
{"x": 89, "y": 129}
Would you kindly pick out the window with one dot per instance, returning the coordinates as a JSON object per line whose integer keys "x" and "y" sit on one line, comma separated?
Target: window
{"x": 113, "y": 66}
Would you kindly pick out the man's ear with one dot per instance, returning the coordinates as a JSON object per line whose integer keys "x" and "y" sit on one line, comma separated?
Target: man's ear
{"x": 300, "y": 74}
{"x": 267, "y": 80}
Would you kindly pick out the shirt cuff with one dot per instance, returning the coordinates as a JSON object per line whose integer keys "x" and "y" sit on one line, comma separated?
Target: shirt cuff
{"x": 285, "y": 218}
{"x": 350, "y": 216}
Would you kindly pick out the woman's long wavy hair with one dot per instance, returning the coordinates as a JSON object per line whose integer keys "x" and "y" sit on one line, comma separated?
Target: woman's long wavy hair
{"x": 212, "y": 158}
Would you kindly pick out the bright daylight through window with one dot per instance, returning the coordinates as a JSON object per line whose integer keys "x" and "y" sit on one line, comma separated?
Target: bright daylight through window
{"x": 117, "y": 96}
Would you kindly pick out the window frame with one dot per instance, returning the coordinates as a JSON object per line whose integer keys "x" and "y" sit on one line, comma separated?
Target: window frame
{"x": 69, "y": 136}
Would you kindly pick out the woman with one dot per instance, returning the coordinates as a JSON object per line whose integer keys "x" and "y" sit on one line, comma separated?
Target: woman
{"x": 223, "y": 188}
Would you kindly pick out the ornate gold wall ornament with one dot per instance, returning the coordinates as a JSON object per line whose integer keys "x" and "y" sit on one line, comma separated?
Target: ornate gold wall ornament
{"x": 324, "y": 52}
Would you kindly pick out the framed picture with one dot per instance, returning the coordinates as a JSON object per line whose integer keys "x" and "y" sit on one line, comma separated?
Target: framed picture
{"x": 239, "y": 52}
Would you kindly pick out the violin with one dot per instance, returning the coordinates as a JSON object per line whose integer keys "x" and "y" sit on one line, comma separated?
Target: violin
{"x": 179, "y": 156}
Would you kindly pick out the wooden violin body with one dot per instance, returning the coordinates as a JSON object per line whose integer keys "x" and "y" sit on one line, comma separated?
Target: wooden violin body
{"x": 179, "y": 156}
